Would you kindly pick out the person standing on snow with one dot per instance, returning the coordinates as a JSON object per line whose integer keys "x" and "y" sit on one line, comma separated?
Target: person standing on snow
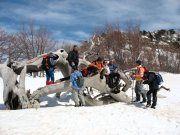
{"x": 77, "y": 91}
{"x": 139, "y": 87}
{"x": 48, "y": 64}
{"x": 73, "y": 57}
{"x": 153, "y": 88}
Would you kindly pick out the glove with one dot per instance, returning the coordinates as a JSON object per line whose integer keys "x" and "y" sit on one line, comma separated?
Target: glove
{"x": 133, "y": 77}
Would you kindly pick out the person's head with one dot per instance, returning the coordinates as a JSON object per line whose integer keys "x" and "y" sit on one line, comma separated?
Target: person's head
{"x": 99, "y": 60}
{"x": 74, "y": 68}
{"x": 138, "y": 62}
{"x": 75, "y": 48}
{"x": 112, "y": 61}
{"x": 105, "y": 62}
{"x": 93, "y": 62}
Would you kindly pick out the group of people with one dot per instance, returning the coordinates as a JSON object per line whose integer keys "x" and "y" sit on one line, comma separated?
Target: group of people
{"x": 98, "y": 65}
{"x": 142, "y": 76}
{"x": 92, "y": 69}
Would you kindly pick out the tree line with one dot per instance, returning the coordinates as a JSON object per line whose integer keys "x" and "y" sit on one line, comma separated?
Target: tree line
{"x": 128, "y": 45}
{"x": 27, "y": 43}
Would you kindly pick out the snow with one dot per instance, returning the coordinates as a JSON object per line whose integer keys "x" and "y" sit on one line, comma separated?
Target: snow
{"x": 145, "y": 37}
{"x": 163, "y": 43}
{"x": 61, "y": 117}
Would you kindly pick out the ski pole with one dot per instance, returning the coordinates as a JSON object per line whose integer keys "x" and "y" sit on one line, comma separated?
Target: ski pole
{"x": 132, "y": 90}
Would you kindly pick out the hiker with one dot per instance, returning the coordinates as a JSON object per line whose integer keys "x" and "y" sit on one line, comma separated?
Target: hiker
{"x": 48, "y": 64}
{"x": 95, "y": 67}
{"x": 139, "y": 87}
{"x": 92, "y": 69}
{"x": 73, "y": 57}
{"x": 112, "y": 66}
{"x": 99, "y": 63}
{"x": 77, "y": 90}
{"x": 151, "y": 80}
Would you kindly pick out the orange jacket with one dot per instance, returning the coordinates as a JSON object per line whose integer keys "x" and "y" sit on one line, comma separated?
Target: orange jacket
{"x": 98, "y": 65}
{"x": 139, "y": 73}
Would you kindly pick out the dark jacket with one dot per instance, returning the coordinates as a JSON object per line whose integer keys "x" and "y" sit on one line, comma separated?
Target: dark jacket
{"x": 151, "y": 80}
{"x": 73, "y": 56}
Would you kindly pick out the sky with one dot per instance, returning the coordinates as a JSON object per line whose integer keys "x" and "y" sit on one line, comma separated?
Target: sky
{"x": 76, "y": 20}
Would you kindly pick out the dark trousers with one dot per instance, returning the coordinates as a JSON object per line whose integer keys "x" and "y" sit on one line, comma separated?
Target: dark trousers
{"x": 154, "y": 93}
{"x": 50, "y": 75}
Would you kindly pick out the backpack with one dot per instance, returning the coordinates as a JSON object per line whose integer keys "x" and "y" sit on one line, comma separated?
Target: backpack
{"x": 159, "y": 78}
{"x": 80, "y": 81}
{"x": 45, "y": 63}
{"x": 113, "y": 80}
{"x": 146, "y": 69}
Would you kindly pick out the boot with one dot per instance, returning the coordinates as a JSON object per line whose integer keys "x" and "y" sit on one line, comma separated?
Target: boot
{"x": 144, "y": 101}
{"x": 51, "y": 82}
{"x": 148, "y": 105}
{"x": 136, "y": 100}
{"x": 48, "y": 82}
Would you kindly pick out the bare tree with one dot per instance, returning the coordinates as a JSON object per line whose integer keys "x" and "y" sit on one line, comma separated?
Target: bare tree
{"x": 3, "y": 43}
{"x": 34, "y": 42}
{"x": 128, "y": 46}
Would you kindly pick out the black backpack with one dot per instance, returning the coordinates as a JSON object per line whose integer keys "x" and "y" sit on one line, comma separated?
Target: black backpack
{"x": 114, "y": 79}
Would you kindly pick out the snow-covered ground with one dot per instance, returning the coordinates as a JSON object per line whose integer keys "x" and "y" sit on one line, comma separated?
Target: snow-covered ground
{"x": 62, "y": 118}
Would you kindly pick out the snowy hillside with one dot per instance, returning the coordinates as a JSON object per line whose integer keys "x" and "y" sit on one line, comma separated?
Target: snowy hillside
{"x": 60, "y": 117}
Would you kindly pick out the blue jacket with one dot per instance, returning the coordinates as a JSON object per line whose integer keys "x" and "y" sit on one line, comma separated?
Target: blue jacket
{"x": 113, "y": 67}
{"x": 73, "y": 79}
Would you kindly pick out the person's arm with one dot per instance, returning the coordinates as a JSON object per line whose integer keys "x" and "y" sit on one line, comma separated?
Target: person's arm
{"x": 77, "y": 58}
{"x": 52, "y": 61}
{"x": 115, "y": 68}
{"x": 69, "y": 58}
{"x": 108, "y": 70}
